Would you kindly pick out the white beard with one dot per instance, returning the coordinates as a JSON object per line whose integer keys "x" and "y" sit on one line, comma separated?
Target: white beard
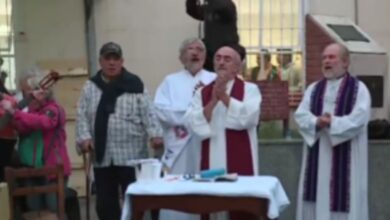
{"x": 334, "y": 73}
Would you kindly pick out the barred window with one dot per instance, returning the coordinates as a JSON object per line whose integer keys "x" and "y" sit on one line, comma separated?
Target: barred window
{"x": 272, "y": 32}
{"x": 7, "y": 43}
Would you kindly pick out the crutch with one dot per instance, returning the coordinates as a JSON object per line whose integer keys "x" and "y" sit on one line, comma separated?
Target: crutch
{"x": 87, "y": 166}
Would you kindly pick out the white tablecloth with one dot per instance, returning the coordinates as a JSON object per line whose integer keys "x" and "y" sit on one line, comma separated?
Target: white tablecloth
{"x": 267, "y": 187}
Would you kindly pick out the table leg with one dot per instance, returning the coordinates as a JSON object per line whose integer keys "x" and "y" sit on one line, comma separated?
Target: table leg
{"x": 205, "y": 217}
{"x": 155, "y": 214}
{"x": 137, "y": 215}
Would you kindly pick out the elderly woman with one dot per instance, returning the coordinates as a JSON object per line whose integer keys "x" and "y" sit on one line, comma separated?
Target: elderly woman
{"x": 43, "y": 123}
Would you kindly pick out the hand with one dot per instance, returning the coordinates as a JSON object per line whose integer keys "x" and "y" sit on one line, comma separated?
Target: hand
{"x": 86, "y": 146}
{"x": 324, "y": 120}
{"x": 7, "y": 106}
{"x": 156, "y": 142}
{"x": 328, "y": 119}
{"x": 214, "y": 95}
{"x": 222, "y": 80}
{"x": 220, "y": 85}
{"x": 221, "y": 92}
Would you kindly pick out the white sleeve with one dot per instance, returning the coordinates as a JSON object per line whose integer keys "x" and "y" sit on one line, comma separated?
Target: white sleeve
{"x": 195, "y": 118}
{"x": 305, "y": 119}
{"x": 244, "y": 114}
{"x": 162, "y": 102}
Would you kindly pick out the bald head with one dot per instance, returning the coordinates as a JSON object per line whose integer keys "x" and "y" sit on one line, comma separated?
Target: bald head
{"x": 227, "y": 61}
{"x": 343, "y": 50}
{"x": 335, "y": 60}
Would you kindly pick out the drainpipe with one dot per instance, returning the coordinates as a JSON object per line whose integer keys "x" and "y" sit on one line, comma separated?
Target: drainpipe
{"x": 356, "y": 12}
{"x": 90, "y": 36}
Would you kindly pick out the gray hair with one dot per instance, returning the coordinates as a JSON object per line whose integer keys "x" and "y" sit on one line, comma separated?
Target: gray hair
{"x": 31, "y": 72}
{"x": 33, "y": 82}
{"x": 189, "y": 41}
{"x": 343, "y": 50}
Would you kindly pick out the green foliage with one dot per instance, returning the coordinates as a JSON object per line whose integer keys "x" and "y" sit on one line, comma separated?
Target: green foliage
{"x": 274, "y": 130}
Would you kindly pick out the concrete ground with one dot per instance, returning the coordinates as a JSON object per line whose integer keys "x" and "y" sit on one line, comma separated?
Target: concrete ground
{"x": 93, "y": 215}
{"x": 83, "y": 209}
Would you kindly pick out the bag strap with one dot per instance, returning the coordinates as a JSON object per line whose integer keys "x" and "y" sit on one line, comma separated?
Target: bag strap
{"x": 35, "y": 151}
{"x": 54, "y": 137}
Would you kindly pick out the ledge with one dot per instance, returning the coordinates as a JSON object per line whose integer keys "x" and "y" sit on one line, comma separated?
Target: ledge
{"x": 300, "y": 141}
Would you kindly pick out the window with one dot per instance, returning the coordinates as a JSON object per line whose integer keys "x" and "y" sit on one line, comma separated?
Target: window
{"x": 7, "y": 43}
{"x": 272, "y": 32}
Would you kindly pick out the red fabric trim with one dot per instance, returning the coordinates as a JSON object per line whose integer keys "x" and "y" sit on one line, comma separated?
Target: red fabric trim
{"x": 205, "y": 151}
{"x": 205, "y": 155}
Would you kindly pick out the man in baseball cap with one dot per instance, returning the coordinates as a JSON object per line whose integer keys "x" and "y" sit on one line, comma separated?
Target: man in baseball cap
{"x": 115, "y": 121}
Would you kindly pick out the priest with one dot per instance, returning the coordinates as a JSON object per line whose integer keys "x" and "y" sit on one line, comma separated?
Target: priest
{"x": 172, "y": 99}
{"x": 224, "y": 115}
{"x": 332, "y": 118}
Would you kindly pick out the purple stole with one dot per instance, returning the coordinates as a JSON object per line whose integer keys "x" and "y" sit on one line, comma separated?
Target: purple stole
{"x": 238, "y": 147}
{"x": 341, "y": 155}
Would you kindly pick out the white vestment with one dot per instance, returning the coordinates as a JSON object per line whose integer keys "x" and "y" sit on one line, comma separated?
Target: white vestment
{"x": 351, "y": 127}
{"x": 172, "y": 99}
{"x": 239, "y": 115}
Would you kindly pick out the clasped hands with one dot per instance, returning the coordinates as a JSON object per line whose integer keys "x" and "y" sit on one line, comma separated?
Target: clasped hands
{"x": 219, "y": 89}
{"x": 324, "y": 121}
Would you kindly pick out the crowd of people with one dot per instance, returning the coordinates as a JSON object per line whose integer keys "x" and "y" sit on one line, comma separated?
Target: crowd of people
{"x": 203, "y": 117}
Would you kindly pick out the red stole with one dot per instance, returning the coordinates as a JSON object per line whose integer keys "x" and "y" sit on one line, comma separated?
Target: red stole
{"x": 238, "y": 147}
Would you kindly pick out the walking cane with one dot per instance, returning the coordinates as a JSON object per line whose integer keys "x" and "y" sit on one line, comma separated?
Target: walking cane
{"x": 87, "y": 165}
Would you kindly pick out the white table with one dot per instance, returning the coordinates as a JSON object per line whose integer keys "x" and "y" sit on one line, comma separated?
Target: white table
{"x": 247, "y": 193}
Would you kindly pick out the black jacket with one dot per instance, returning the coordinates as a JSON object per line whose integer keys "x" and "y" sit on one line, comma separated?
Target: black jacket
{"x": 220, "y": 21}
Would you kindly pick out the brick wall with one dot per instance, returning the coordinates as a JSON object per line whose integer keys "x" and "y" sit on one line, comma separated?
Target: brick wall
{"x": 274, "y": 105}
{"x": 316, "y": 40}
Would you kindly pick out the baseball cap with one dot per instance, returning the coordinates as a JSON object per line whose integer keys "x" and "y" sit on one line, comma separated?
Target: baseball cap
{"x": 111, "y": 48}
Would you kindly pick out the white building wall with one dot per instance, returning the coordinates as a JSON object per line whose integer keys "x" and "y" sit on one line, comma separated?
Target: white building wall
{"x": 344, "y": 8}
{"x": 150, "y": 33}
{"x": 373, "y": 18}
{"x": 48, "y": 30}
